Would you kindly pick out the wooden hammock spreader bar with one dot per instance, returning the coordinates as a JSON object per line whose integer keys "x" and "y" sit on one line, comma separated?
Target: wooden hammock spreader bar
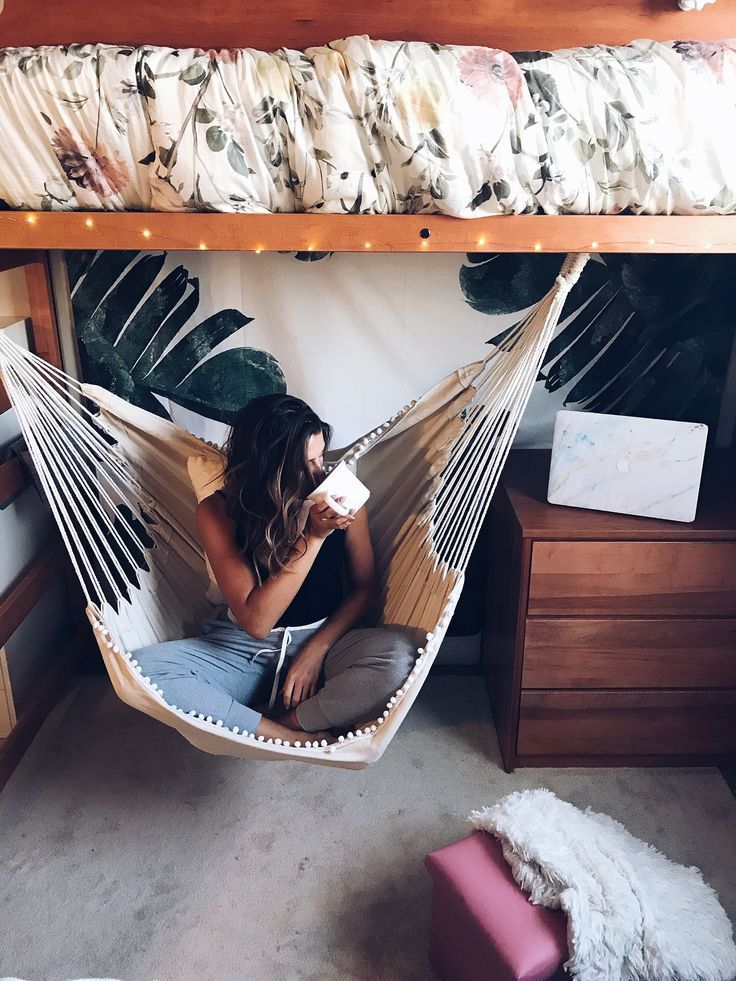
{"x": 366, "y": 233}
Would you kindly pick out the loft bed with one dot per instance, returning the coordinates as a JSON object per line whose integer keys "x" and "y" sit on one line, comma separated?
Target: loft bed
{"x": 510, "y": 25}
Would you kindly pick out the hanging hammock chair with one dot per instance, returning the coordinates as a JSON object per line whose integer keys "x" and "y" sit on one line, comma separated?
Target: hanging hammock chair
{"x": 118, "y": 482}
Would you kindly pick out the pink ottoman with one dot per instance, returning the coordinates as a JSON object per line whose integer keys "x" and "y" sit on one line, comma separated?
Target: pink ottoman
{"x": 483, "y": 926}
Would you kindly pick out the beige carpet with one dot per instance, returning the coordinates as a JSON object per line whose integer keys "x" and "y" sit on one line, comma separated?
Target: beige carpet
{"x": 125, "y": 853}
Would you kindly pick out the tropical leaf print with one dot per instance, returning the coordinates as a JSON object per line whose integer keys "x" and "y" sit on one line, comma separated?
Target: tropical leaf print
{"x": 133, "y": 338}
{"x": 648, "y": 335}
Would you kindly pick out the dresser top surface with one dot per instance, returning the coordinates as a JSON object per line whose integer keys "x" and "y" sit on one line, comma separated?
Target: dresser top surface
{"x": 524, "y": 485}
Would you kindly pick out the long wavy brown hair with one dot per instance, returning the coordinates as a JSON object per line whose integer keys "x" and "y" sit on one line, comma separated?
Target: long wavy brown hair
{"x": 267, "y": 476}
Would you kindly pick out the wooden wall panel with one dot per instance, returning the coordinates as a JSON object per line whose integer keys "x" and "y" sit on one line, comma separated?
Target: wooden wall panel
{"x": 514, "y": 25}
{"x": 28, "y": 588}
{"x": 7, "y": 706}
{"x": 12, "y": 480}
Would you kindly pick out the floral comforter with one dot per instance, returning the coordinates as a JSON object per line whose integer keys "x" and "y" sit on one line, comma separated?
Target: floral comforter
{"x": 363, "y": 126}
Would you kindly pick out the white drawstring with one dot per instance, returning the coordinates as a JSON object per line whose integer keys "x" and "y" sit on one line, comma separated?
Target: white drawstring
{"x": 286, "y": 639}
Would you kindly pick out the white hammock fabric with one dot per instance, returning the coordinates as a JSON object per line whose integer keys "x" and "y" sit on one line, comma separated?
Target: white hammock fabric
{"x": 118, "y": 485}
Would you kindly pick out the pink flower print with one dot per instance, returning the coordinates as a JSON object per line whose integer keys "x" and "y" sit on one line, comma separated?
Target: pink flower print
{"x": 706, "y": 56}
{"x": 225, "y": 56}
{"x": 484, "y": 69}
{"x": 88, "y": 167}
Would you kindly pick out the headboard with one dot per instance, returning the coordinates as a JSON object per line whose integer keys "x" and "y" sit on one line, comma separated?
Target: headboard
{"x": 514, "y": 25}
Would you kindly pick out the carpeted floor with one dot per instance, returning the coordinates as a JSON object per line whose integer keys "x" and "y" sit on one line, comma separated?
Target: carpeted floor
{"x": 125, "y": 853}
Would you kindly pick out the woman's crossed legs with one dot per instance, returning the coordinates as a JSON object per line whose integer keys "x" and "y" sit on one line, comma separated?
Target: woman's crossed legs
{"x": 224, "y": 672}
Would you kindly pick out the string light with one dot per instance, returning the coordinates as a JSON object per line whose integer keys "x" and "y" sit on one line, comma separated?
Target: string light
{"x": 202, "y": 247}
{"x": 481, "y": 241}
{"x": 367, "y": 245}
{"x": 537, "y": 246}
{"x": 709, "y": 245}
{"x": 258, "y": 250}
{"x": 32, "y": 219}
{"x": 594, "y": 245}
{"x": 310, "y": 248}
{"x": 652, "y": 242}
{"x": 89, "y": 223}
{"x": 146, "y": 233}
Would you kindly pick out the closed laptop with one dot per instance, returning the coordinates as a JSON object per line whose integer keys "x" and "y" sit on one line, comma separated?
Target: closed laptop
{"x": 649, "y": 467}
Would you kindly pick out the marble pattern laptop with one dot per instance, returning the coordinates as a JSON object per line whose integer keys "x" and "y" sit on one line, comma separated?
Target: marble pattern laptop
{"x": 649, "y": 467}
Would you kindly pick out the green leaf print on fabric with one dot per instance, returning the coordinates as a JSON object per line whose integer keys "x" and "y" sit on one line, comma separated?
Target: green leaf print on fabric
{"x": 236, "y": 376}
{"x": 507, "y": 283}
{"x": 544, "y": 92}
{"x": 648, "y": 335}
{"x": 133, "y": 339}
{"x": 236, "y": 159}
{"x": 216, "y": 139}
{"x": 193, "y": 74}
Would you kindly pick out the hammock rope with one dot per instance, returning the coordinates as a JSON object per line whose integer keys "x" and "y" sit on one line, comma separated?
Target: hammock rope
{"x": 117, "y": 484}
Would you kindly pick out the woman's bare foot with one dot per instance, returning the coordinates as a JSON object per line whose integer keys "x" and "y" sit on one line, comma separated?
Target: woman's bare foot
{"x": 274, "y": 730}
{"x": 288, "y": 719}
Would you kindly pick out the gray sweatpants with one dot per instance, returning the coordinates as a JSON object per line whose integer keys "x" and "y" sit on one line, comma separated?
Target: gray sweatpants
{"x": 225, "y": 672}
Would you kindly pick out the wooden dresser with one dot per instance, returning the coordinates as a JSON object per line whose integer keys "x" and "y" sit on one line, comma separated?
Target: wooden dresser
{"x": 610, "y": 639}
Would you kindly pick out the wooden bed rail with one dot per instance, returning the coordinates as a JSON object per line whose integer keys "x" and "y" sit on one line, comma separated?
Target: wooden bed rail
{"x": 361, "y": 233}
{"x": 514, "y": 25}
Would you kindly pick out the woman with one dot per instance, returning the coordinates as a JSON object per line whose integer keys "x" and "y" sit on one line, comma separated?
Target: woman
{"x": 281, "y": 563}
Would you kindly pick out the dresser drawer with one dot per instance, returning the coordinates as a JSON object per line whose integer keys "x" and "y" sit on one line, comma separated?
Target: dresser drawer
{"x": 575, "y": 723}
{"x": 590, "y": 653}
{"x": 628, "y": 578}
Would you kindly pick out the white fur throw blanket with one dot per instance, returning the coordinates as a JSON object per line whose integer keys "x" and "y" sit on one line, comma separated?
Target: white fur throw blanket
{"x": 632, "y": 914}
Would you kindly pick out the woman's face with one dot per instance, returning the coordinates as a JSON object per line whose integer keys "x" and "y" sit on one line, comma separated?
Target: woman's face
{"x": 315, "y": 457}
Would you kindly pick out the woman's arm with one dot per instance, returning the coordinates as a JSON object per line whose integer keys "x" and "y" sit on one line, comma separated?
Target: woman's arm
{"x": 256, "y": 607}
{"x": 301, "y": 680}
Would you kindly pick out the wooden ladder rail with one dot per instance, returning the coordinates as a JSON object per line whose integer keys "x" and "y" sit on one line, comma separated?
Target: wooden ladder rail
{"x": 32, "y": 584}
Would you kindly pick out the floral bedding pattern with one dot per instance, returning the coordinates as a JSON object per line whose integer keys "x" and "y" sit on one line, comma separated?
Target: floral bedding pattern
{"x": 364, "y": 126}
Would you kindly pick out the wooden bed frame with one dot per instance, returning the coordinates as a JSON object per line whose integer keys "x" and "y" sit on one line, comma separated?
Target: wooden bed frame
{"x": 513, "y": 25}
{"x": 32, "y": 584}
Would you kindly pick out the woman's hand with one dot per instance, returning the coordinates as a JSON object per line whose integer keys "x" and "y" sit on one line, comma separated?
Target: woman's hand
{"x": 303, "y": 677}
{"x": 323, "y": 520}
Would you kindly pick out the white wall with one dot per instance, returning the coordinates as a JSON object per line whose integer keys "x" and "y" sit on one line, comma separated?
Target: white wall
{"x": 357, "y": 336}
